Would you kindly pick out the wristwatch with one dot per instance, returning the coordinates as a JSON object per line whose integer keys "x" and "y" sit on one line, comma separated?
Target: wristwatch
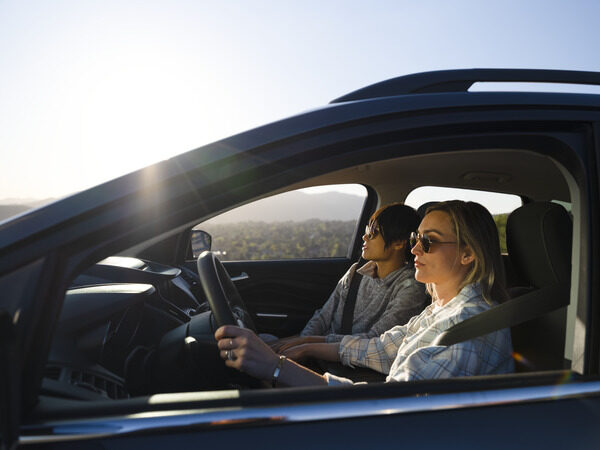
{"x": 277, "y": 370}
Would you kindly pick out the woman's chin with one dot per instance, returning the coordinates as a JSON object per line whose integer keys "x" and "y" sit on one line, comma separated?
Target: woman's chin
{"x": 420, "y": 276}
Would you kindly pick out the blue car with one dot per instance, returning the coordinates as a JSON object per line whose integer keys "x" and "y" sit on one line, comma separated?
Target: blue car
{"x": 111, "y": 297}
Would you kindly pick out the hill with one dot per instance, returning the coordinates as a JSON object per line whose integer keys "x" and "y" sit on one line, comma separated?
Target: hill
{"x": 296, "y": 206}
{"x": 7, "y": 211}
{"x": 10, "y": 207}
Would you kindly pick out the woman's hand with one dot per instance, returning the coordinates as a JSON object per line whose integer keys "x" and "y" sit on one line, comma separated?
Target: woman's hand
{"x": 319, "y": 350}
{"x": 276, "y": 345}
{"x": 298, "y": 353}
{"x": 296, "y": 341}
{"x": 245, "y": 351}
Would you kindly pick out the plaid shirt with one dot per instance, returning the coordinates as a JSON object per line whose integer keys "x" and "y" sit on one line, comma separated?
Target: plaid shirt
{"x": 380, "y": 303}
{"x": 407, "y": 352}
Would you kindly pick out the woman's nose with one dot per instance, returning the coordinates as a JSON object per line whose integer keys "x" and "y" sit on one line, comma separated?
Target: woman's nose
{"x": 417, "y": 249}
{"x": 365, "y": 237}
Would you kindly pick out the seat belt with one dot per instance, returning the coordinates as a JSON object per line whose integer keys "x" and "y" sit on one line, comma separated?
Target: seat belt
{"x": 508, "y": 314}
{"x": 348, "y": 314}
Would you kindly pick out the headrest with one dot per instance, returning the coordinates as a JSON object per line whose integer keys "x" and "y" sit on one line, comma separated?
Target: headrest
{"x": 538, "y": 239}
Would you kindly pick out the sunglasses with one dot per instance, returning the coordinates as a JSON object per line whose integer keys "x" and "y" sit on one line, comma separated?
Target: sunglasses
{"x": 371, "y": 233}
{"x": 425, "y": 241}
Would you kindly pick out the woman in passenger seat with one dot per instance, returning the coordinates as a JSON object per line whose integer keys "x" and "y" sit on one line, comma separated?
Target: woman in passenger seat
{"x": 457, "y": 255}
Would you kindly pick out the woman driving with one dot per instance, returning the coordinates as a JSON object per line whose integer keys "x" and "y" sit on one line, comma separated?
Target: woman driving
{"x": 457, "y": 255}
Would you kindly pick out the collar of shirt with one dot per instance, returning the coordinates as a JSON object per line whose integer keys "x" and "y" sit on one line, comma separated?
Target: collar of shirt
{"x": 370, "y": 270}
{"x": 466, "y": 293}
{"x": 466, "y": 303}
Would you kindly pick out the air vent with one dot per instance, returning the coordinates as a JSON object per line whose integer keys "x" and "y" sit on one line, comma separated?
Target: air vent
{"x": 98, "y": 384}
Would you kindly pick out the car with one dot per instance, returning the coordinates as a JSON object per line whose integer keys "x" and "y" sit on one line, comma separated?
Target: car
{"x": 107, "y": 325}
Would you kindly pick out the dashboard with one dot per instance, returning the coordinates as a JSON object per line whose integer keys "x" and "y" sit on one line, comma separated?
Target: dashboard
{"x": 122, "y": 321}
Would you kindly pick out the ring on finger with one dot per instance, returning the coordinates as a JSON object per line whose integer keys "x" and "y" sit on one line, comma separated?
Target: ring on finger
{"x": 231, "y": 343}
{"x": 230, "y": 355}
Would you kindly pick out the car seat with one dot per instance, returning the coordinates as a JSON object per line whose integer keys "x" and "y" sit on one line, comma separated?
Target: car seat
{"x": 539, "y": 240}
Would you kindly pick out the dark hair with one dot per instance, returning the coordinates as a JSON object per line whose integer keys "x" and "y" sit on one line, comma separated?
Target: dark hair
{"x": 395, "y": 223}
{"x": 474, "y": 227}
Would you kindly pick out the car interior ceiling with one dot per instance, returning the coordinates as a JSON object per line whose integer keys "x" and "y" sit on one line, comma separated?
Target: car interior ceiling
{"x": 496, "y": 170}
{"x": 502, "y": 170}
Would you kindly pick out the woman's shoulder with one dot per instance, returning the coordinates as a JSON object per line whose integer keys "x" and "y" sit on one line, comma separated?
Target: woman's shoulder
{"x": 469, "y": 302}
{"x": 344, "y": 282}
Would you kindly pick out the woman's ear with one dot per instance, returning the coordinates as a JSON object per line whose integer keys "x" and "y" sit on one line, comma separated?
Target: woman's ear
{"x": 467, "y": 256}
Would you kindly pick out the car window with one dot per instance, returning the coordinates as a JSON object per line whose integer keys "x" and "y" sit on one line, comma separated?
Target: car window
{"x": 316, "y": 222}
{"x": 500, "y": 205}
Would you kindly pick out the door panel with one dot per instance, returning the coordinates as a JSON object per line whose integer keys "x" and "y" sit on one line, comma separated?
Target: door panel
{"x": 283, "y": 295}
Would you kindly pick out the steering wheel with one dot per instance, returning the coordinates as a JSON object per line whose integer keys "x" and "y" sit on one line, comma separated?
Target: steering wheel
{"x": 224, "y": 300}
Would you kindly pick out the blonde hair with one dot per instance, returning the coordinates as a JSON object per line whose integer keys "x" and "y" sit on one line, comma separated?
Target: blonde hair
{"x": 475, "y": 228}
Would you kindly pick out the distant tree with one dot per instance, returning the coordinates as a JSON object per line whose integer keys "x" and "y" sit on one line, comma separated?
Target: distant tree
{"x": 281, "y": 240}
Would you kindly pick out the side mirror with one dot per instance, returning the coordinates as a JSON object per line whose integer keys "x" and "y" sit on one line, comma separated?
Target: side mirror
{"x": 201, "y": 241}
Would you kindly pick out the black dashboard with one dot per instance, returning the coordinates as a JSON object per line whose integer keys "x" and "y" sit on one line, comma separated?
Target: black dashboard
{"x": 120, "y": 320}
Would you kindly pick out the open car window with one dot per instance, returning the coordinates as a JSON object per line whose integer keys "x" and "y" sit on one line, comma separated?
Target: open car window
{"x": 317, "y": 222}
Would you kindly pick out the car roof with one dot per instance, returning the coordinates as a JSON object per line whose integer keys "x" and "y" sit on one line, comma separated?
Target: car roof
{"x": 461, "y": 80}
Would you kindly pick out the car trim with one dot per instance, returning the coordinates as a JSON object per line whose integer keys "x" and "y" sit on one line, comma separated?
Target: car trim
{"x": 219, "y": 418}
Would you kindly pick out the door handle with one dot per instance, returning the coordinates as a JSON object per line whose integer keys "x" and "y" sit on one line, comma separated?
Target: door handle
{"x": 241, "y": 277}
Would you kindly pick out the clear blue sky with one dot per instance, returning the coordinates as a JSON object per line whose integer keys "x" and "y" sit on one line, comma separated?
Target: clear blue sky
{"x": 90, "y": 90}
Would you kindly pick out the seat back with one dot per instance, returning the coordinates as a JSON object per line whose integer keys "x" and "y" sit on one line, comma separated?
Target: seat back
{"x": 539, "y": 239}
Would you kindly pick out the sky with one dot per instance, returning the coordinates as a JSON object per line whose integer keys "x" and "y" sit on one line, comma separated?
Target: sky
{"x": 91, "y": 90}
